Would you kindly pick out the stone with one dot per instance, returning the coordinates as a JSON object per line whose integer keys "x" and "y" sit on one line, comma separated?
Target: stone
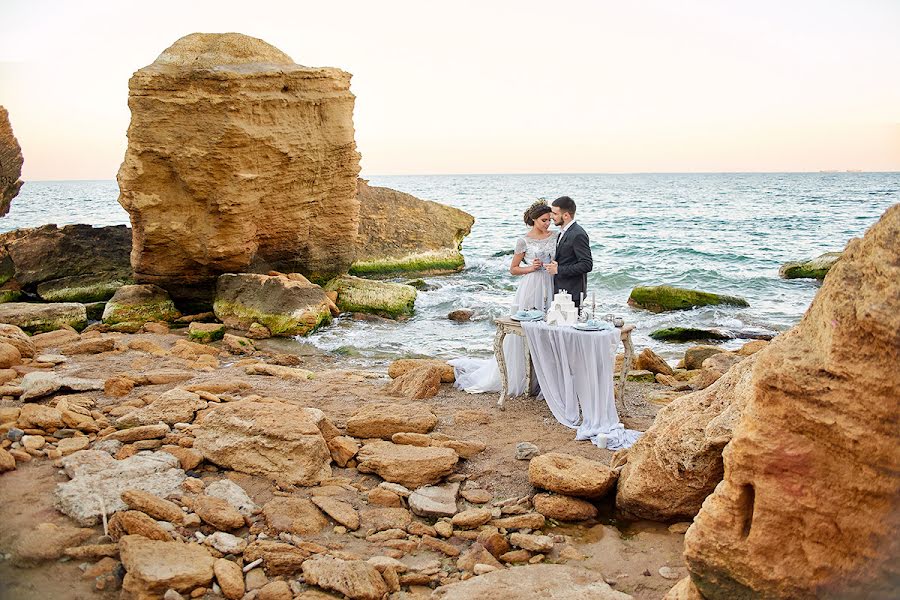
{"x": 815, "y": 268}
{"x": 688, "y": 334}
{"x": 752, "y": 347}
{"x": 533, "y": 581}
{"x": 705, "y": 378}
{"x": 15, "y": 337}
{"x": 461, "y": 315}
{"x": 339, "y": 510}
{"x": 303, "y": 170}
{"x": 641, "y": 376}
{"x": 257, "y": 331}
{"x": 97, "y": 479}
{"x": 683, "y": 590}
{"x": 255, "y": 579}
{"x": 695, "y": 355}
{"x": 534, "y": 543}
{"x": 39, "y": 318}
{"x": 278, "y": 558}
{"x": 272, "y": 439}
{"x": 33, "y": 442}
{"x": 400, "y": 367}
{"x": 39, "y": 384}
{"x": 205, "y": 333}
{"x": 226, "y": 543}
{"x": 651, "y": 361}
{"x": 440, "y": 545}
{"x": 382, "y": 497}
{"x": 721, "y": 361}
{"x": 343, "y": 448}
{"x": 275, "y": 590}
{"x": 471, "y": 518}
{"x": 9, "y": 355}
{"x": 233, "y": 494}
{"x": 139, "y": 304}
{"x": 133, "y": 522}
{"x": 383, "y": 420}
{"x": 86, "y": 289}
{"x": 230, "y": 578}
{"x": 681, "y": 527}
{"x": 663, "y": 298}
{"x": 677, "y": 462}
{"x": 434, "y": 500}
{"x": 526, "y": 451}
{"x": 188, "y": 458}
{"x": 294, "y": 515}
{"x": 10, "y": 163}
{"x": 564, "y": 508}
{"x": 94, "y": 345}
{"x": 153, "y": 505}
{"x": 39, "y": 416}
{"x": 54, "y": 339}
{"x": 526, "y": 521}
{"x": 410, "y": 466}
{"x": 669, "y": 380}
{"x": 218, "y": 513}
{"x": 817, "y": 435}
{"x": 152, "y": 567}
{"x": 405, "y": 234}
{"x": 422, "y": 382}
{"x": 285, "y": 307}
{"x": 382, "y": 298}
{"x": 7, "y": 461}
{"x": 381, "y": 519}
{"x": 174, "y": 406}
{"x": 236, "y": 344}
{"x": 47, "y": 541}
{"x": 474, "y": 556}
{"x": 571, "y": 475}
{"x": 355, "y": 579}
{"x": 476, "y": 496}
{"x": 141, "y": 432}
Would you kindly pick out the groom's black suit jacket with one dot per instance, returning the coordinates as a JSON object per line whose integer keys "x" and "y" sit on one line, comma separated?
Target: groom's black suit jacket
{"x": 573, "y": 255}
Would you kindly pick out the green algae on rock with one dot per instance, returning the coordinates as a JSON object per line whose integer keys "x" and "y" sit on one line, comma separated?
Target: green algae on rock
{"x": 82, "y": 288}
{"x": 661, "y": 298}
{"x": 40, "y": 318}
{"x": 815, "y": 268}
{"x": 381, "y": 298}
{"x": 206, "y": 333}
{"x": 139, "y": 304}
{"x": 686, "y": 334}
{"x": 285, "y": 306}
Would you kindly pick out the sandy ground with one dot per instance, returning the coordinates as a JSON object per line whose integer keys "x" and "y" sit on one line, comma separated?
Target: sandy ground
{"x": 630, "y": 554}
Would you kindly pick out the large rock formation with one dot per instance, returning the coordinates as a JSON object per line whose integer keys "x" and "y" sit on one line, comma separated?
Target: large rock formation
{"x": 399, "y": 232}
{"x": 677, "y": 463}
{"x": 810, "y": 503}
{"x": 238, "y": 160}
{"x": 10, "y": 163}
{"x": 75, "y": 263}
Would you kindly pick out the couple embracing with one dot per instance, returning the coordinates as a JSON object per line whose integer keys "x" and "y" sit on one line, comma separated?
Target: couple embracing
{"x": 548, "y": 261}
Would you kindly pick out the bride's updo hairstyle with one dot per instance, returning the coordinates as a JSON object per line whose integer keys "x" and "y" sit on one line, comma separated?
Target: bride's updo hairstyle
{"x": 535, "y": 211}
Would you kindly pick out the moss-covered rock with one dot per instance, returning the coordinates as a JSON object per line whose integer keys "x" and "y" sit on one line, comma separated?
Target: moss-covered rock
{"x": 381, "y": 298}
{"x": 10, "y": 295}
{"x": 140, "y": 304}
{"x": 816, "y": 268}
{"x": 661, "y": 298}
{"x": 285, "y": 306}
{"x": 94, "y": 310}
{"x": 206, "y": 333}
{"x": 82, "y": 288}
{"x": 686, "y": 334}
{"x": 40, "y": 318}
{"x": 431, "y": 262}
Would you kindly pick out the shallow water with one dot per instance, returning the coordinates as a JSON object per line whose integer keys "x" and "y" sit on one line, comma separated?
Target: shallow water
{"x": 725, "y": 233}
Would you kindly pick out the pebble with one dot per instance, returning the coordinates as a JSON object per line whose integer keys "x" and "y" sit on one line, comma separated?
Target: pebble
{"x": 672, "y": 573}
{"x": 526, "y": 451}
{"x": 15, "y": 434}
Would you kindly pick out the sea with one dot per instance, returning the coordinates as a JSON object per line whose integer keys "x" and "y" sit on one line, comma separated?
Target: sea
{"x": 726, "y": 233}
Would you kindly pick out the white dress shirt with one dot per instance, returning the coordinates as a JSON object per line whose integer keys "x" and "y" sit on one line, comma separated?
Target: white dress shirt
{"x": 563, "y": 232}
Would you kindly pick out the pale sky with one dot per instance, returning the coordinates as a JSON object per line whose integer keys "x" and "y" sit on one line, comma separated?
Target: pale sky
{"x": 498, "y": 87}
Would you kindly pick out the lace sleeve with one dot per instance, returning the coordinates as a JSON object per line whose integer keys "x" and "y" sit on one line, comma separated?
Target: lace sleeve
{"x": 520, "y": 245}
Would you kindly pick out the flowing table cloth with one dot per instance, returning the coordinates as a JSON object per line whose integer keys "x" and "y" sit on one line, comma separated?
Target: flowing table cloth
{"x": 575, "y": 371}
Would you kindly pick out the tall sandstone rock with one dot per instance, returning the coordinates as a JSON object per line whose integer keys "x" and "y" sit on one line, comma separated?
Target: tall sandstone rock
{"x": 238, "y": 160}
{"x": 10, "y": 163}
{"x": 810, "y": 502}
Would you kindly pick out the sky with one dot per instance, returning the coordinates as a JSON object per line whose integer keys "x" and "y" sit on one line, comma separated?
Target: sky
{"x": 498, "y": 87}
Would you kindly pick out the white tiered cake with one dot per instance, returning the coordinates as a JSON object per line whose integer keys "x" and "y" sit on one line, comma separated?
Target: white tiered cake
{"x": 562, "y": 310}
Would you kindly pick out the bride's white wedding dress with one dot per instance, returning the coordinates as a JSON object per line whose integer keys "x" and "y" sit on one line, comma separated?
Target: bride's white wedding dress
{"x": 478, "y": 375}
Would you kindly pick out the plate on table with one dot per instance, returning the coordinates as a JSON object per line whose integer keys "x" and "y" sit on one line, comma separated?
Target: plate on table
{"x": 528, "y": 315}
{"x": 592, "y": 326}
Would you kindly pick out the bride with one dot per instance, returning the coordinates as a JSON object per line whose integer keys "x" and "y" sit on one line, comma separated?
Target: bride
{"x": 533, "y": 250}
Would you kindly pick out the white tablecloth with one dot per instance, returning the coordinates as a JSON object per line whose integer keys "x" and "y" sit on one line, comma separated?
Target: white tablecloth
{"x": 575, "y": 371}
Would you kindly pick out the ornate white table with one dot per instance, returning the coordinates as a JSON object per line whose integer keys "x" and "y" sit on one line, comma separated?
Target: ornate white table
{"x": 505, "y": 326}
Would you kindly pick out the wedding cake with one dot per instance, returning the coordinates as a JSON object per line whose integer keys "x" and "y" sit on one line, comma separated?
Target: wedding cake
{"x": 562, "y": 310}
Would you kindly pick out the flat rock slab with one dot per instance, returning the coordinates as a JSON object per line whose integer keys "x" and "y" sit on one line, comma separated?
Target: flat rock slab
{"x": 233, "y": 494}
{"x": 435, "y": 500}
{"x": 98, "y": 480}
{"x": 383, "y": 419}
{"x": 411, "y": 466}
{"x": 353, "y": 578}
{"x": 550, "y": 582}
{"x": 339, "y": 510}
{"x": 39, "y": 384}
{"x": 294, "y": 515}
{"x": 174, "y": 406}
{"x": 154, "y": 566}
{"x": 47, "y": 541}
{"x": 571, "y": 475}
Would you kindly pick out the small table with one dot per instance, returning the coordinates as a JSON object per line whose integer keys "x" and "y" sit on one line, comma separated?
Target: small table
{"x": 506, "y": 325}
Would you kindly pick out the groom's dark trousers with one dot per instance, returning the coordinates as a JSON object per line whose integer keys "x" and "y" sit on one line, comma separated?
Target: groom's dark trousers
{"x": 573, "y": 256}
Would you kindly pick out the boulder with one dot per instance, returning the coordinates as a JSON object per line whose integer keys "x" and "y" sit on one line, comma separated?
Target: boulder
{"x": 402, "y": 366}
{"x": 152, "y": 567}
{"x": 649, "y": 360}
{"x": 98, "y": 480}
{"x": 10, "y": 163}
{"x": 356, "y": 579}
{"x": 571, "y": 475}
{"x": 284, "y": 306}
{"x": 272, "y": 439}
{"x": 695, "y": 355}
{"x": 383, "y": 420}
{"x": 411, "y": 466}
{"x": 269, "y": 183}
{"x": 461, "y": 315}
{"x": 139, "y": 304}
{"x": 205, "y": 333}
{"x": 401, "y": 233}
{"x": 677, "y": 463}
{"x": 382, "y": 298}
{"x": 9, "y": 356}
{"x": 808, "y": 506}
{"x": 39, "y": 318}
{"x": 533, "y": 581}
{"x": 419, "y": 383}
{"x": 174, "y": 406}
{"x": 815, "y": 268}
{"x": 75, "y": 263}
{"x": 564, "y": 508}
{"x": 27, "y": 346}
{"x": 688, "y": 334}
{"x": 664, "y": 297}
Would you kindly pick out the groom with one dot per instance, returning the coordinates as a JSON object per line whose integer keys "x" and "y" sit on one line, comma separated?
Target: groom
{"x": 573, "y": 251}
